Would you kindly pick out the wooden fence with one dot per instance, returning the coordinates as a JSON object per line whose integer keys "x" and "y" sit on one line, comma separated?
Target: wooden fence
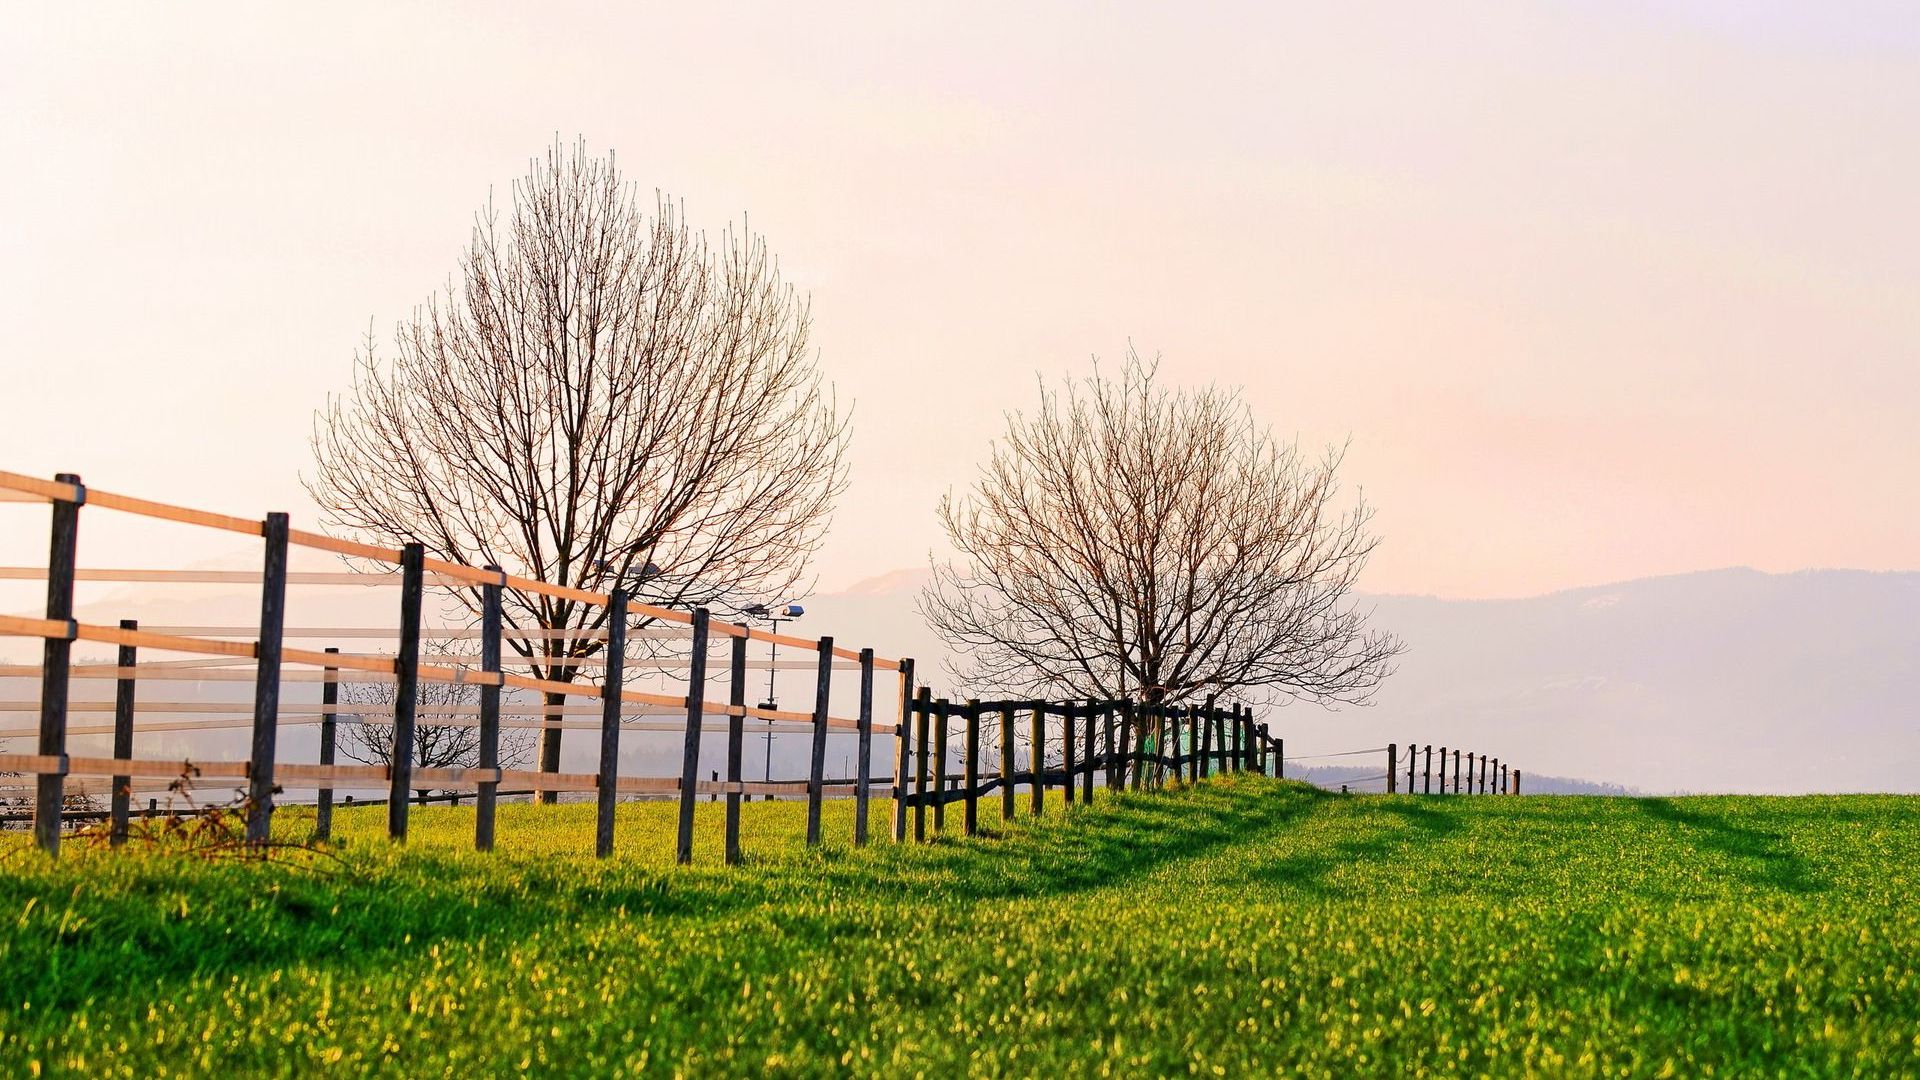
{"x": 264, "y": 649}
{"x": 1120, "y": 743}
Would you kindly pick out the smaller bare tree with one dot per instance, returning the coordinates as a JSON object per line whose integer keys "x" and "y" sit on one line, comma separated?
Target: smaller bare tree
{"x": 446, "y": 732}
{"x": 1127, "y": 540}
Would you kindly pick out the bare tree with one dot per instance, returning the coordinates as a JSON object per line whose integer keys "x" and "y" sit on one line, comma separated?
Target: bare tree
{"x": 446, "y": 732}
{"x": 1128, "y": 541}
{"x": 602, "y": 400}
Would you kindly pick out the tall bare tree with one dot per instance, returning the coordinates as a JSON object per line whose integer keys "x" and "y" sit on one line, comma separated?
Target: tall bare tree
{"x": 602, "y": 399}
{"x": 1125, "y": 540}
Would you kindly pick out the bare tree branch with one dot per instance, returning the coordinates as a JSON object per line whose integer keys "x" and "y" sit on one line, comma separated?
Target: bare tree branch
{"x": 600, "y": 399}
{"x": 1129, "y": 541}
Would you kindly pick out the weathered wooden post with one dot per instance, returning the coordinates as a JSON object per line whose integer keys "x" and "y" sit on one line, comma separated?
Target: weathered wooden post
{"x": 50, "y": 788}
{"x": 944, "y": 715}
{"x": 902, "y": 752}
{"x": 1456, "y": 772}
{"x": 266, "y": 680}
{"x": 922, "y": 717}
{"x": 487, "y": 793}
{"x": 736, "y": 740}
{"x": 1496, "y": 777}
{"x": 1037, "y": 759}
{"x": 406, "y": 688}
{"x": 863, "y": 778}
{"x": 1067, "y": 755}
{"x": 1203, "y": 764}
{"x": 1086, "y": 778}
{"x": 123, "y": 690}
{"x": 971, "y": 817}
{"x": 1426, "y": 772}
{"x": 1280, "y": 758}
{"x": 1516, "y": 781}
{"x": 608, "y": 782}
{"x": 1393, "y": 765}
{"x": 1126, "y": 743}
{"x": 1107, "y": 723}
{"x": 1413, "y": 752}
{"x": 1443, "y": 770}
{"x": 329, "y": 738}
{"x": 1504, "y": 789}
{"x": 1007, "y": 763}
{"x": 690, "y": 742}
{"x": 817, "y": 762}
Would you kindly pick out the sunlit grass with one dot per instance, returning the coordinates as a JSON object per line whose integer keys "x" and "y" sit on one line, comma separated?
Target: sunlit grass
{"x": 1245, "y": 927}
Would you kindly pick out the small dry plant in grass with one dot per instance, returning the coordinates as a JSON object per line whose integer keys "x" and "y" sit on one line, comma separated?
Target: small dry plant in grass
{"x": 209, "y": 832}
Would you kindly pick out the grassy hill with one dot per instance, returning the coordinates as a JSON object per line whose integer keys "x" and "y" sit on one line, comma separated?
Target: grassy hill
{"x": 1246, "y": 926}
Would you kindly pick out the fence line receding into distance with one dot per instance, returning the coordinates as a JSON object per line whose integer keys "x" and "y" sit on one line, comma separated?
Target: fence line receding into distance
{"x": 1141, "y": 744}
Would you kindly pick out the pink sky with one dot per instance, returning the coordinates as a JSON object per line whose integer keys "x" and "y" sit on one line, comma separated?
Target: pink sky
{"x": 1622, "y": 290}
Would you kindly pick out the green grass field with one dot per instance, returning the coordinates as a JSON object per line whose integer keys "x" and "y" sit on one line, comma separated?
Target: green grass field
{"x": 1243, "y": 927}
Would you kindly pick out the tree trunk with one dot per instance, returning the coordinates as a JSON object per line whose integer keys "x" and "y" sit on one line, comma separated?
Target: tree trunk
{"x": 550, "y": 738}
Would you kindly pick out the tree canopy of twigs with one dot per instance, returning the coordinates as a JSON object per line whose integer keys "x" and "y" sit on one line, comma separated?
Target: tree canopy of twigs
{"x": 446, "y": 734}
{"x": 602, "y": 400}
{"x": 1127, "y": 540}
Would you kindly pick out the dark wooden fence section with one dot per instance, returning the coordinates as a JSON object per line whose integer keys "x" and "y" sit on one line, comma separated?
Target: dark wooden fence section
{"x": 1072, "y": 748}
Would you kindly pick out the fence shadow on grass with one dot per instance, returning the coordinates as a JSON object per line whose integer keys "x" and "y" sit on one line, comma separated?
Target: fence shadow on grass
{"x": 1763, "y": 858}
{"x": 1126, "y": 837}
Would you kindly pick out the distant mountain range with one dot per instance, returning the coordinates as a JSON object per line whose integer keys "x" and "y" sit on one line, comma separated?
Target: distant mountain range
{"x": 1722, "y": 680}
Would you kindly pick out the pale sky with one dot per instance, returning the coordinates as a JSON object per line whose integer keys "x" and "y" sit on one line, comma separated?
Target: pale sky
{"x": 1609, "y": 291}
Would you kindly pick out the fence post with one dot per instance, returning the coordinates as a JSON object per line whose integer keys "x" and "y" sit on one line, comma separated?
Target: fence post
{"x": 1037, "y": 760}
{"x": 690, "y": 748}
{"x": 1496, "y": 777}
{"x": 863, "y": 776}
{"x": 1443, "y": 771}
{"x": 1426, "y": 772}
{"x": 487, "y": 792}
{"x": 609, "y": 779}
{"x": 902, "y": 750}
{"x": 1413, "y": 752}
{"x": 1007, "y": 770}
{"x": 817, "y": 765}
{"x": 1503, "y": 781}
{"x": 1203, "y": 765}
{"x": 1170, "y": 754}
{"x": 1456, "y": 771}
{"x": 266, "y": 682}
{"x": 1067, "y": 756}
{"x": 1280, "y": 758}
{"x": 736, "y": 737}
{"x": 971, "y": 771}
{"x": 1393, "y": 766}
{"x": 922, "y": 715}
{"x": 942, "y": 710}
{"x": 1516, "y": 781}
{"x": 123, "y": 736}
{"x": 1125, "y": 757}
{"x": 50, "y": 789}
{"x": 1106, "y": 727}
{"x": 329, "y": 736}
{"x": 406, "y": 688}
{"x": 1091, "y": 750}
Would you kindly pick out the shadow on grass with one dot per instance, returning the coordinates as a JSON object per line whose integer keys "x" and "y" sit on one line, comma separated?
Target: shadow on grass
{"x": 1764, "y": 857}
{"x": 1310, "y": 871}
{"x": 1117, "y": 841}
{"x": 108, "y": 931}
